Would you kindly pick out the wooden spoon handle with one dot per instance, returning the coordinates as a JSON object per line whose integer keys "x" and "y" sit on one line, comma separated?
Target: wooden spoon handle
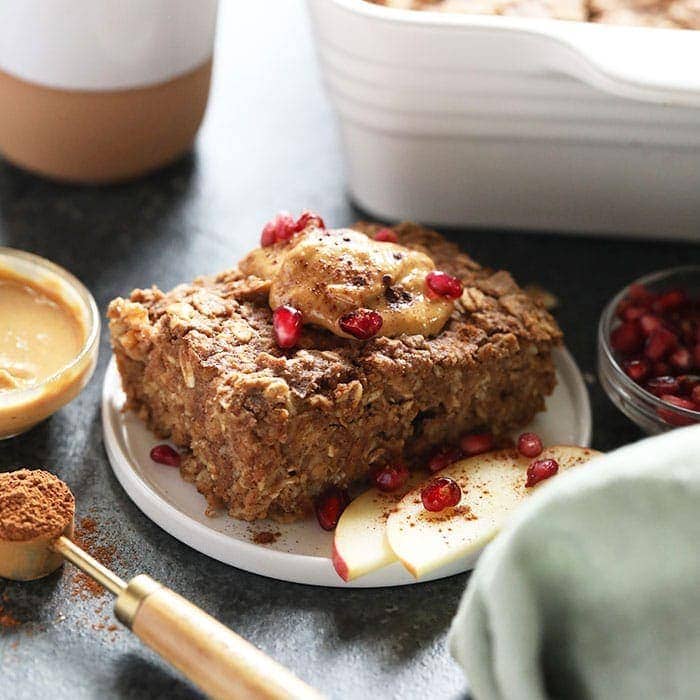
{"x": 217, "y": 660}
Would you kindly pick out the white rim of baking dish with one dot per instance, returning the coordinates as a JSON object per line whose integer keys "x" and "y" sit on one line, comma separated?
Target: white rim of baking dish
{"x": 648, "y": 64}
{"x": 258, "y": 559}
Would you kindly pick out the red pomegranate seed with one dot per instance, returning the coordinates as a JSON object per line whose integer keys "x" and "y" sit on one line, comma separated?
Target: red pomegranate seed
{"x": 441, "y": 493}
{"x": 443, "y": 458}
{"x": 281, "y": 228}
{"x": 687, "y": 331}
{"x": 659, "y": 344}
{"x": 529, "y": 444}
{"x": 391, "y": 478}
{"x": 164, "y": 454}
{"x": 476, "y": 443}
{"x": 633, "y": 313}
{"x": 673, "y": 418}
{"x": 663, "y": 385}
{"x": 649, "y": 323}
{"x": 660, "y": 369}
{"x": 637, "y": 370}
{"x": 308, "y": 218}
{"x": 287, "y": 323}
{"x": 540, "y": 470}
{"x": 440, "y": 284}
{"x": 626, "y": 338}
{"x": 688, "y": 383}
{"x": 671, "y": 300}
{"x": 622, "y": 308}
{"x": 362, "y": 324}
{"x": 330, "y": 506}
{"x": 678, "y": 401}
{"x": 681, "y": 359}
{"x": 386, "y": 235}
{"x": 695, "y": 397}
{"x": 640, "y": 295}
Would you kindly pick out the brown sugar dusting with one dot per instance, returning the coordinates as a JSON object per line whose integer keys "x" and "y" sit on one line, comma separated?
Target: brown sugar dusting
{"x": 86, "y": 535}
{"x": 33, "y": 503}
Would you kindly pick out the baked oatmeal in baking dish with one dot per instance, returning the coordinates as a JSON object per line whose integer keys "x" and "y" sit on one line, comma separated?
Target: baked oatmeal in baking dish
{"x": 383, "y": 344}
{"x": 671, "y": 14}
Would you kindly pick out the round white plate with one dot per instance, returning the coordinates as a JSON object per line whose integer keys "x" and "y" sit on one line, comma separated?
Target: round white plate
{"x": 301, "y": 552}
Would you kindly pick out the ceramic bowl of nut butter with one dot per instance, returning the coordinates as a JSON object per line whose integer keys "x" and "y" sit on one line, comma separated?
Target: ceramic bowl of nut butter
{"x": 49, "y": 336}
{"x": 99, "y": 91}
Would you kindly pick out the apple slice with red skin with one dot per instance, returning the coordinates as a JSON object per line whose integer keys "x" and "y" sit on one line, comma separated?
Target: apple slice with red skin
{"x": 493, "y": 485}
{"x": 360, "y": 544}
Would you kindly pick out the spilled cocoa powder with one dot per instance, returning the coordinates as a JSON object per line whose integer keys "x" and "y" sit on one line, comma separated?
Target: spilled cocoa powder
{"x": 87, "y": 536}
{"x": 33, "y": 503}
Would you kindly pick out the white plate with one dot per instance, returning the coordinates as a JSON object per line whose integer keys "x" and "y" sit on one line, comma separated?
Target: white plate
{"x": 302, "y": 551}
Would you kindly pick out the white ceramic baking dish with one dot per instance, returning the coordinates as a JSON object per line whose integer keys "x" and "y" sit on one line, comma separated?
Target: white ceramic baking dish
{"x": 508, "y": 122}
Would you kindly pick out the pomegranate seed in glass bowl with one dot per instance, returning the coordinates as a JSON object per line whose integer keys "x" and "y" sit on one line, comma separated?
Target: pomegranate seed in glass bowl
{"x": 649, "y": 349}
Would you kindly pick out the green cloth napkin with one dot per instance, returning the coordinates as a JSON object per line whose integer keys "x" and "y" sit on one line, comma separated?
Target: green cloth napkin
{"x": 593, "y": 588}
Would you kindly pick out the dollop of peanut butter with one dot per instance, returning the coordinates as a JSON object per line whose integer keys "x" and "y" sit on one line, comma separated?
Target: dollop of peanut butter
{"x": 326, "y": 274}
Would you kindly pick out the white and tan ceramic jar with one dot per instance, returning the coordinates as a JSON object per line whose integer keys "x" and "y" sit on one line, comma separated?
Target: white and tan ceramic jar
{"x": 102, "y": 90}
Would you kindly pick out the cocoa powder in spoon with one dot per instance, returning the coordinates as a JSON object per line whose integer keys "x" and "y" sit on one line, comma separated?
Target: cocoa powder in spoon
{"x": 33, "y": 503}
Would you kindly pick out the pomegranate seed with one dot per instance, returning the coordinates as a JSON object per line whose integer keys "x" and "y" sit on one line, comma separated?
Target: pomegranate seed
{"x": 681, "y": 359}
{"x": 626, "y": 338}
{"x": 386, "y": 235}
{"x": 281, "y": 228}
{"x": 688, "y": 383}
{"x": 540, "y": 470}
{"x": 529, "y": 445}
{"x": 678, "y": 401}
{"x": 663, "y": 385}
{"x": 640, "y": 295}
{"x": 671, "y": 300}
{"x": 687, "y": 331}
{"x": 440, "y": 284}
{"x": 695, "y": 397}
{"x": 330, "y": 506}
{"x": 391, "y": 478}
{"x": 637, "y": 370}
{"x": 443, "y": 458}
{"x": 476, "y": 443}
{"x": 659, "y": 344}
{"x": 660, "y": 369}
{"x": 308, "y": 218}
{"x": 441, "y": 493}
{"x": 673, "y": 418}
{"x": 267, "y": 237}
{"x": 164, "y": 454}
{"x": 362, "y": 324}
{"x": 649, "y": 323}
{"x": 633, "y": 313}
{"x": 287, "y": 322}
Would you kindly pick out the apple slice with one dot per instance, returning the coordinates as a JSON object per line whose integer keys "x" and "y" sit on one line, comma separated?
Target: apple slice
{"x": 492, "y": 484}
{"x": 360, "y": 544}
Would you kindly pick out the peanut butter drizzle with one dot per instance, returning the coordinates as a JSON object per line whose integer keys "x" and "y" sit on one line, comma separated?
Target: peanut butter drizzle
{"x": 326, "y": 274}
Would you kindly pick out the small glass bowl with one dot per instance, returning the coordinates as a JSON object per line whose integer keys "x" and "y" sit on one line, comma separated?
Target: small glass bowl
{"x": 21, "y": 409}
{"x": 649, "y": 412}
